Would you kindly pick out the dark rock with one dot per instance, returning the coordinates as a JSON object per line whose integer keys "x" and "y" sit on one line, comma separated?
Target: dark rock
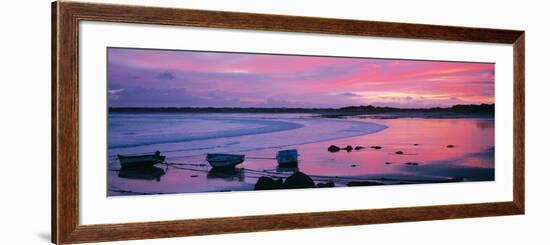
{"x": 359, "y": 147}
{"x": 323, "y": 185}
{"x": 363, "y": 183}
{"x": 266, "y": 183}
{"x": 194, "y": 176}
{"x": 333, "y": 148}
{"x": 411, "y": 163}
{"x": 455, "y": 179}
{"x": 353, "y": 165}
{"x": 348, "y": 148}
{"x": 415, "y": 144}
{"x": 298, "y": 180}
{"x": 376, "y": 147}
{"x": 450, "y": 146}
{"x": 399, "y": 152}
{"x": 388, "y": 163}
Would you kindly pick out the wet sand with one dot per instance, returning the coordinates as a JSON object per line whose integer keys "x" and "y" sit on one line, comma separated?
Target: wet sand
{"x": 424, "y": 142}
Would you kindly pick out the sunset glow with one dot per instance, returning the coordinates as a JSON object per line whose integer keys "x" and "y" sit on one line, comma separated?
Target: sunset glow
{"x": 166, "y": 78}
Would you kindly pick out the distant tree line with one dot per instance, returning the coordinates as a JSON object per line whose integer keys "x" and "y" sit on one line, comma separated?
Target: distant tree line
{"x": 368, "y": 109}
{"x": 481, "y": 108}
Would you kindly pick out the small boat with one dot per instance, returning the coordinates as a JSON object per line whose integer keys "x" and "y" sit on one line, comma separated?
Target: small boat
{"x": 141, "y": 161}
{"x": 224, "y": 160}
{"x": 287, "y": 157}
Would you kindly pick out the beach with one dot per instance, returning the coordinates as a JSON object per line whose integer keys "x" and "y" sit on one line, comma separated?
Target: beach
{"x": 434, "y": 150}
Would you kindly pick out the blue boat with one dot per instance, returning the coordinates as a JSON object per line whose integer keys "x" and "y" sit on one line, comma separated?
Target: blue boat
{"x": 224, "y": 160}
{"x": 141, "y": 161}
{"x": 287, "y": 157}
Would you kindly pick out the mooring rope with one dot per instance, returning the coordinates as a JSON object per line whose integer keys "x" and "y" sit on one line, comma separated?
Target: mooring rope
{"x": 273, "y": 173}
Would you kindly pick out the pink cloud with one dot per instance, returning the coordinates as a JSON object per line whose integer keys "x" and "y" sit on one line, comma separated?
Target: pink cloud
{"x": 304, "y": 79}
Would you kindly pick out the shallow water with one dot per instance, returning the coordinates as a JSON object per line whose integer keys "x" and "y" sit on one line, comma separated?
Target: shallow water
{"x": 186, "y": 138}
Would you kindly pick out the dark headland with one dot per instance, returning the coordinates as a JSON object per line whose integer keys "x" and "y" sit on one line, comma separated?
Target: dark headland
{"x": 479, "y": 110}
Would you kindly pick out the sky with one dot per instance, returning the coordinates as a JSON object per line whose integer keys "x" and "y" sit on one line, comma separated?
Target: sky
{"x": 168, "y": 78}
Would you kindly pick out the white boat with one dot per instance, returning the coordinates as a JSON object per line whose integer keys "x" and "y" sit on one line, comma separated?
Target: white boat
{"x": 224, "y": 160}
{"x": 141, "y": 161}
{"x": 287, "y": 157}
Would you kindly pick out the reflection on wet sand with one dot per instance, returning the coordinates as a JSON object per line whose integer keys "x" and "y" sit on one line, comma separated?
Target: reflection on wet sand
{"x": 287, "y": 169}
{"x": 450, "y": 168}
{"x": 430, "y": 151}
{"x": 227, "y": 174}
{"x": 149, "y": 173}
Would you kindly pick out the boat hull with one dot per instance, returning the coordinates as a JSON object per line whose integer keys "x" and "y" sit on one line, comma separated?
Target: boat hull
{"x": 224, "y": 160}
{"x": 287, "y": 157}
{"x": 145, "y": 161}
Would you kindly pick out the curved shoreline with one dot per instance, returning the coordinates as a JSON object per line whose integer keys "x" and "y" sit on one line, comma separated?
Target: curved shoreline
{"x": 268, "y": 126}
{"x": 273, "y": 133}
{"x": 381, "y": 128}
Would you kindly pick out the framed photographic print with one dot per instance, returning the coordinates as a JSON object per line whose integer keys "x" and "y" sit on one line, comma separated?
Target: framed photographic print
{"x": 175, "y": 122}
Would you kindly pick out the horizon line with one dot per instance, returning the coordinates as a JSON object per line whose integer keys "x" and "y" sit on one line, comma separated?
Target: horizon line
{"x": 313, "y": 108}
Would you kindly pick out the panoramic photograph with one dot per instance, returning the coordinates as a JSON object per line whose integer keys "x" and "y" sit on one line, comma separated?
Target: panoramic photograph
{"x": 182, "y": 121}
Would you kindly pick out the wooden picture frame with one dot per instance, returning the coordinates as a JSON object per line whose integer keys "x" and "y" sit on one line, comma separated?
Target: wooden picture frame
{"x": 65, "y": 121}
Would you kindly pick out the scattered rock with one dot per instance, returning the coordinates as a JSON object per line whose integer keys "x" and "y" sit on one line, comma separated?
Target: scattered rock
{"x": 411, "y": 163}
{"x": 376, "y": 147}
{"x": 450, "y": 146}
{"x": 363, "y": 183}
{"x": 266, "y": 183}
{"x": 399, "y": 152}
{"x": 455, "y": 179}
{"x": 333, "y": 148}
{"x": 298, "y": 180}
{"x": 348, "y": 148}
{"x": 359, "y": 147}
{"x": 323, "y": 185}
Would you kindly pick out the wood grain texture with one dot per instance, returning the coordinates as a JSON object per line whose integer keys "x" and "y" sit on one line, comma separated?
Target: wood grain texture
{"x": 54, "y": 122}
{"x": 519, "y": 122}
{"x": 65, "y": 151}
{"x": 149, "y": 230}
{"x": 65, "y": 121}
{"x": 234, "y": 20}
